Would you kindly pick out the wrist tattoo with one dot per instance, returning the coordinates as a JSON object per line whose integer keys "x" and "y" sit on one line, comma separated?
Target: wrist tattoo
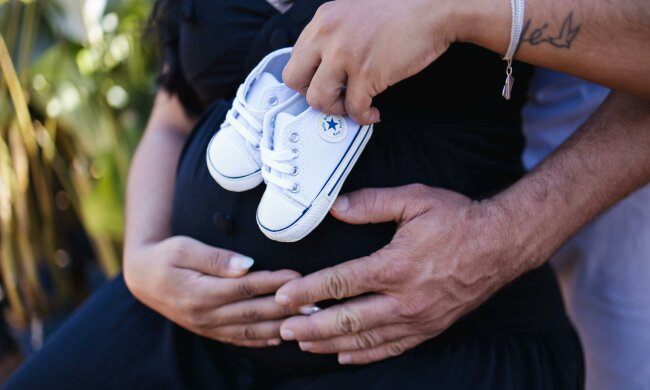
{"x": 541, "y": 34}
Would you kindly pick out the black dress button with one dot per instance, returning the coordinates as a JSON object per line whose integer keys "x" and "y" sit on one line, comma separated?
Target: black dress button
{"x": 223, "y": 222}
{"x": 279, "y": 38}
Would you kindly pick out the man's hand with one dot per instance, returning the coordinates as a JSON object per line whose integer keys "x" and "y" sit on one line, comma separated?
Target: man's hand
{"x": 446, "y": 258}
{"x": 208, "y": 290}
{"x": 366, "y": 46}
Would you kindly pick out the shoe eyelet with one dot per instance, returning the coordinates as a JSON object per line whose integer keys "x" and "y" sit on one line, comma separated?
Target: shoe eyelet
{"x": 295, "y": 188}
{"x": 294, "y": 137}
{"x": 295, "y": 171}
{"x": 296, "y": 153}
{"x": 273, "y": 101}
{"x": 257, "y": 147}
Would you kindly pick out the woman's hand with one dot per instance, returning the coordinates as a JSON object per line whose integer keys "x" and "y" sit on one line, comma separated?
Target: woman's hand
{"x": 449, "y": 255}
{"x": 208, "y": 290}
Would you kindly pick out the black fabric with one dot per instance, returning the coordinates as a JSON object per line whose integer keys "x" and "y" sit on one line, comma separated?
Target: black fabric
{"x": 115, "y": 342}
{"x": 476, "y": 161}
{"x": 446, "y": 127}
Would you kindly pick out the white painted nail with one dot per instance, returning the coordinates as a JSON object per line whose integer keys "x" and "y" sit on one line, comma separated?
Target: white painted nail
{"x": 309, "y": 309}
{"x": 240, "y": 263}
{"x": 342, "y": 204}
{"x": 274, "y": 342}
{"x": 287, "y": 334}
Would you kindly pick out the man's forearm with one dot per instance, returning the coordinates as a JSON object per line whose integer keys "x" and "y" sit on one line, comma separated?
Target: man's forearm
{"x": 604, "y": 41}
{"x": 605, "y": 160}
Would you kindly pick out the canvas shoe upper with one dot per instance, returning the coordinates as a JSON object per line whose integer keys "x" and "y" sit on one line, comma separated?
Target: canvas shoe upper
{"x": 306, "y": 156}
{"x": 233, "y": 155}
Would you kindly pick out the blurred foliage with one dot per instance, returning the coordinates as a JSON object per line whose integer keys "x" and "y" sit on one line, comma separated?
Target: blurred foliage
{"x": 75, "y": 91}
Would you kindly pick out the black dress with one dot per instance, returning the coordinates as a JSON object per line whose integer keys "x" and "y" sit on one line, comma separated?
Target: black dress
{"x": 446, "y": 127}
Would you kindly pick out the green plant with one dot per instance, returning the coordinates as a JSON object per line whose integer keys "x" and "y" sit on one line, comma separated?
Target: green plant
{"x": 75, "y": 89}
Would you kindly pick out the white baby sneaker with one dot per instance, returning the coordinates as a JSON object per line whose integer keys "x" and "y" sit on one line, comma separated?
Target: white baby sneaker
{"x": 306, "y": 156}
{"x": 233, "y": 155}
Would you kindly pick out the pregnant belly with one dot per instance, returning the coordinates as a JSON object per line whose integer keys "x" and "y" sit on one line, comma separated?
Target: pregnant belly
{"x": 468, "y": 160}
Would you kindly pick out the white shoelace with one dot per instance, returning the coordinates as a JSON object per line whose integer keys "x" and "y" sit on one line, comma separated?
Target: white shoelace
{"x": 278, "y": 161}
{"x": 243, "y": 121}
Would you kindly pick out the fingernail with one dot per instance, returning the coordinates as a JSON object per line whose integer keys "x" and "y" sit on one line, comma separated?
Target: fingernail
{"x": 240, "y": 263}
{"x": 344, "y": 358}
{"x": 306, "y": 345}
{"x": 287, "y": 334}
{"x": 274, "y": 342}
{"x": 282, "y": 299}
{"x": 309, "y": 309}
{"x": 342, "y": 204}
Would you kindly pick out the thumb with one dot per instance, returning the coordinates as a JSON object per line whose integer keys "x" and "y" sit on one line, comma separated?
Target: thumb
{"x": 195, "y": 255}
{"x": 371, "y": 205}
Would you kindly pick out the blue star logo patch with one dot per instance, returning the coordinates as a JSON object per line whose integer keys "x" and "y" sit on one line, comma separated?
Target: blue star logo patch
{"x": 333, "y": 127}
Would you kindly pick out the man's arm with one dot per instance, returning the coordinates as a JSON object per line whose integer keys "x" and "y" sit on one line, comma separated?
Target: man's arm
{"x": 604, "y": 161}
{"x": 450, "y": 254}
{"x": 604, "y": 41}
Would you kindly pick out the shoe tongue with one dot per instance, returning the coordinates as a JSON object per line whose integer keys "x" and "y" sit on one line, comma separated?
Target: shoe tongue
{"x": 282, "y": 120}
{"x": 255, "y": 96}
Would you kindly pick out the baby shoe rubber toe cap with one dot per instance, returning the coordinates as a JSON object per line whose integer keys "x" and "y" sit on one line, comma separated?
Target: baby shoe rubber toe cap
{"x": 277, "y": 212}
{"x": 227, "y": 155}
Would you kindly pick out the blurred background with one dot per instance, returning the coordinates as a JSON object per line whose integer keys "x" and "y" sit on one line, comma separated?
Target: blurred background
{"x": 75, "y": 91}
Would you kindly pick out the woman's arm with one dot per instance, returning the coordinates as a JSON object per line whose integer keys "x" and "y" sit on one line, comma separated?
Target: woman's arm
{"x": 151, "y": 178}
{"x": 204, "y": 289}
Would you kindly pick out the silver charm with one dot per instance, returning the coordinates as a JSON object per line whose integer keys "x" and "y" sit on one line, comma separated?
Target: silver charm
{"x": 507, "y": 87}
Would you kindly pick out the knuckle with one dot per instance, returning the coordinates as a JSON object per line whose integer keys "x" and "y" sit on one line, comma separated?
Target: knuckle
{"x": 339, "y": 49}
{"x": 287, "y": 311}
{"x": 314, "y": 333}
{"x": 371, "y": 201}
{"x": 189, "y": 304}
{"x": 325, "y": 18}
{"x": 347, "y": 322}
{"x": 245, "y": 289}
{"x": 336, "y": 285}
{"x": 418, "y": 190}
{"x": 252, "y": 315}
{"x": 366, "y": 71}
{"x": 411, "y": 310}
{"x": 365, "y": 340}
{"x": 391, "y": 273}
{"x": 314, "y": 98}
{"x": 214, "y": 262}
{"x": 397, "y": 348}
{"x": 353, "y": 105}
{"x": 217, "y": 322}
{"x": 290, "y": 79}
{"x": 324, "y": 8}
{"x": 198, "y": 320}
{"x": 249, "y": 333}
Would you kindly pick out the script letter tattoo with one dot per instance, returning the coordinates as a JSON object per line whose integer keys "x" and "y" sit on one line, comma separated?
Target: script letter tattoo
{"x": 564, "y": 38}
